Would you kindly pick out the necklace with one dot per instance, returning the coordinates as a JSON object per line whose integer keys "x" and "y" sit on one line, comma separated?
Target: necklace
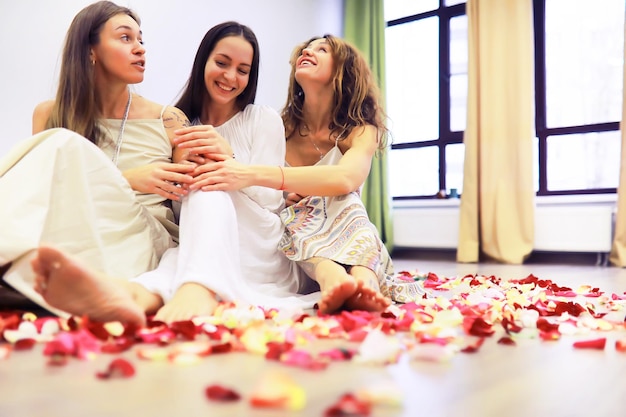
{"x": 120, "y": 136}
{"x": 306, "y": 127}
{"x": 318, "y": 149}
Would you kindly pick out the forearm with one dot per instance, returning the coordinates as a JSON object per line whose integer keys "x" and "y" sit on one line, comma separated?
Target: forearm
{"x": 318, "y": 180}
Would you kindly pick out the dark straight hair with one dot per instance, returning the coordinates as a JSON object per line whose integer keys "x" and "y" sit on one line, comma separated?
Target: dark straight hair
{"x": 194, "y": 92}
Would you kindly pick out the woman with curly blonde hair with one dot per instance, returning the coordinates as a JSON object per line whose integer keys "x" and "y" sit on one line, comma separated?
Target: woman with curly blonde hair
{"x": 334, "y": 126}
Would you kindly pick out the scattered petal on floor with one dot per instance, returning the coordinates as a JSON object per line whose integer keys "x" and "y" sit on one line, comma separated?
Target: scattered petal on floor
{"x": 220, "y": 393}
{"x": 599, "y": 344}
{"x": 118, "y": 368}
{"x": 278, "y": 390}
{"x": 348, "y": 405}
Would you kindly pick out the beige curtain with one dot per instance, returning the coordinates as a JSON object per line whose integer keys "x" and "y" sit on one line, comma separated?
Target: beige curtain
{"x": 497, "y": 205}
{"x": 618, "y": 251}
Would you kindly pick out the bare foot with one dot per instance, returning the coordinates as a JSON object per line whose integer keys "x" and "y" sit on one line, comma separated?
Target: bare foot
{"x": 190, "y": 300}
{"x": 333, "y": 298}
{"x": 67, "y": 284}
{"x": 367, "y": 296}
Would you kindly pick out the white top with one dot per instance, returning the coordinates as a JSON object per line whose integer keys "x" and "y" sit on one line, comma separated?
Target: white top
{"x": 257, "y": 137}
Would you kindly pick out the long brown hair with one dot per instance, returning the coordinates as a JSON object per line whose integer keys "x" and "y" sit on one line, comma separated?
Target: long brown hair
{"x": 75, "y": 104}
{"x": 356, "y": 94}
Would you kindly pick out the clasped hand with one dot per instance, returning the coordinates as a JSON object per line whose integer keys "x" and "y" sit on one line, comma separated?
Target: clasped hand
{"x": 203, "y": 140}
{"x": 219, "y": 171}
{"x": 166, "y": 179}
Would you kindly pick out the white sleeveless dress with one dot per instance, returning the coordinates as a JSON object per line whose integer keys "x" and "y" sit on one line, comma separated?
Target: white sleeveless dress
{"x": 58, "y": 188}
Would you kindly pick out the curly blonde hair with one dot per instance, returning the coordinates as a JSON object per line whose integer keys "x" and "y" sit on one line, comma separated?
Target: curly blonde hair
{"x": 356, "y": 93}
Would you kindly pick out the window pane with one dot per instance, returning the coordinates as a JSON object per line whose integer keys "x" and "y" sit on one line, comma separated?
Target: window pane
{"x": 414, "y": 172}
{"x": 584, "y": 61}
{"x": 458, "y": 73}
{"x": 455, "y": 155}
{"x": 395, "y": 9}
{"x": 412, "y": 68}
{"x": 453, "y": 2}
{"x": 583, "y": 161}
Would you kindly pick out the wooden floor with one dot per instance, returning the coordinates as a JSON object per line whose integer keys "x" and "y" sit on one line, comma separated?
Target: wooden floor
{"x": 534, "y": 378}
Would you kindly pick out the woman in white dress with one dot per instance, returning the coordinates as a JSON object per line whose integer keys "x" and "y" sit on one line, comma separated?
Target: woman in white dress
{"x": 334, "y": 126}
{"x": 228, "y": 240}
{"x": 97, "y": 177}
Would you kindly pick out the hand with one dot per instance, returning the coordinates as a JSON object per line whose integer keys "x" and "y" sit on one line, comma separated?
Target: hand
{"x": 202, "y": 140}
{"x": 223, "y": 175}
{"x": 292, "y": 198}
{"x": 163, "y": 178}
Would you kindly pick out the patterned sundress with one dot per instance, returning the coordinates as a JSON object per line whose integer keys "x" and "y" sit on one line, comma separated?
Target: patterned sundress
{"x": 336, "y": 228}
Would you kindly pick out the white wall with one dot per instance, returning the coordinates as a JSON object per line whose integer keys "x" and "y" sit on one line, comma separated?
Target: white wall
{"x": 32, "y": 34}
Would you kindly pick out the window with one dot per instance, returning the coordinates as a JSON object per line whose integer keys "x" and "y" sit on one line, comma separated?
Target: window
{"x": 579, "y": 47}
{"x": 426, "y": 86}
{"x": 579, "y": 54}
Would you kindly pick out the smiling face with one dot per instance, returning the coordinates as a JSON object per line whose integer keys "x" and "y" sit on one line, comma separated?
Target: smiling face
{"x": 119, "y": 55}
{"x": 315, "y": 63}
{"x": 227, "y": 71}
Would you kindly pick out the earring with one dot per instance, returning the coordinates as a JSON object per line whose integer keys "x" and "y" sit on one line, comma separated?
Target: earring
{"x": 93, "y": 62}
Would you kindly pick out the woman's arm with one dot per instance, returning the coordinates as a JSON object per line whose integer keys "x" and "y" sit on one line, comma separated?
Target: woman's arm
{"x": 267, "y": 147}
{"x": 347, "y": 176}
{"x": 173, "y": 120}
{"x": 165, "y": 178}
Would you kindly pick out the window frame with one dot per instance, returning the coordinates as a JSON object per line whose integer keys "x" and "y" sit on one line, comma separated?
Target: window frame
{"x": 446, "y": 136}
{"x": 542, "y": 132}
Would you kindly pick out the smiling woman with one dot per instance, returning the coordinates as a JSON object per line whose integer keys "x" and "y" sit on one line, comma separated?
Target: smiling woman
{"x": 96, "y": 178}
{"x": 228, "y": 241}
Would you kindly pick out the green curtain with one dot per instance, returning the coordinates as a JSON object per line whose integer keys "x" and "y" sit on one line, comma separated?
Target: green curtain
{"x": 364, "y": 27}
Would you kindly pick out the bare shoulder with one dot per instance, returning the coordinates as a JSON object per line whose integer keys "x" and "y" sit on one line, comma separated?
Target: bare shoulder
{"x": 363, "y": 137}
{"x": 41, "y": 114}
{"x": 145, "y": 109}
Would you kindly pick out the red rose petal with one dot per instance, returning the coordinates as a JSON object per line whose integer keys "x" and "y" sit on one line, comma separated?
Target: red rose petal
{"x": 477, "y": 326}
{"x": 117, "y": 345}
{"x": 118, "y": 368}
{"x": 599, "y": 344}
{"x": 221, "y": 394}
{"x": 505, "y": 340}
{"x": 276, "y": 349}
{"x": 24, "y": 344}
{"x": 187, "y": 329}
{"x": 348, "y": 406}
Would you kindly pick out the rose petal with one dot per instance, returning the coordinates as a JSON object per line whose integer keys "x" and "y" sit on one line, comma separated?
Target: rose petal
{"x": 348, "y": 405}
{"x": 25, "y": 344}
{"x": 221, "y": 394}
{"x": 118, "y": 368}
{"x": 506, "y": 340}
{"x": 277, "y": 390}
{"x": 599, "y": 343}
